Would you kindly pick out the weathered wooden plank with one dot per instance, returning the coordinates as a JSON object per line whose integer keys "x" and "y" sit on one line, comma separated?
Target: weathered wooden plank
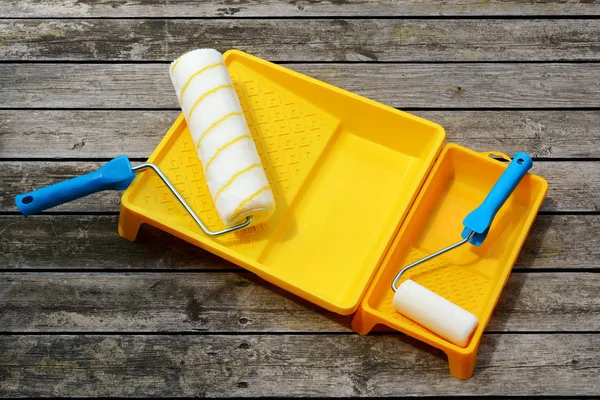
{"x": 527, "y": 295}
{"x": 291, "y": 365}
{"x": 277, "y": 39}
{"x": 573, "y": 184}
{"x": 93, "y": 134}
{"x": 292, "y": 8}
{"x": 92, "y": 242}
{"x": 229, "y": 302}
{"x": 398, "y": 85}
{"x": 83, "y": 134}
{"x": 539, "y": 133}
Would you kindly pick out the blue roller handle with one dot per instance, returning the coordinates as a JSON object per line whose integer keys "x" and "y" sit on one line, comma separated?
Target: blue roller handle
{"x": 115, "y": 175}
{"x": 480, "y": 219}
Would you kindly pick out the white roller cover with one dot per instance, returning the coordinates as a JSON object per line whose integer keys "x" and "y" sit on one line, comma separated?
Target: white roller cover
{"x": 232, "y": 168}
{"x": 435, "y": 313}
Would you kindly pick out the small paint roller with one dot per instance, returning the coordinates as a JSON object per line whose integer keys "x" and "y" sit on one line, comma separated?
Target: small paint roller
{"x": 434, "y": 312}
{"x": 232, "y": 167}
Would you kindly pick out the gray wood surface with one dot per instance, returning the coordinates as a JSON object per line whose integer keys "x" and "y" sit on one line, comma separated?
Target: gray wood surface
{"x": 572, "y": 184}
{"x": 557, "y": 242}
{"x": 303, "y": 40}
{"x": 398, "y": 85}
{"x": 105, "y": 134}
{"x": 288, "y": 365}
{"x": 241, "y": 302}
{"x": 91, "y": 314}
{"x": 293, "y": 8}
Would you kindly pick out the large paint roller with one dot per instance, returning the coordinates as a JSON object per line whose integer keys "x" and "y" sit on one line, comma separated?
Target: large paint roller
{"x": 232, "y": 168}
{"x": 431, "y": 310}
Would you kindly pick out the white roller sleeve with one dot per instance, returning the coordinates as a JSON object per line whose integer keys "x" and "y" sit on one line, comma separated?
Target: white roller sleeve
{"x": 435, "y": 313}
{"x": 232, "y": 168}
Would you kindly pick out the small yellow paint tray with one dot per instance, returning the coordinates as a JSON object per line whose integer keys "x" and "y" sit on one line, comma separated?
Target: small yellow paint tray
{"x": 471, "y": 277}
{"x": 346, "y": 171}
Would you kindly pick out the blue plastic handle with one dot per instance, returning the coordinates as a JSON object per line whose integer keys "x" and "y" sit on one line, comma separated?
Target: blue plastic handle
{"x": 480, "y": 219}
{"x": 115, "y": 175}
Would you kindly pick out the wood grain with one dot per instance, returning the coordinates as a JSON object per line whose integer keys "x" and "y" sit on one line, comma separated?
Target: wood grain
{"x": 573, "y": 184}
{"x": 92, "y": 243}
{"x": 398, "y": 85}
{"x": 303, "y": 40}
{"x": 105, "y": 134}
{"x": 292, "y": 365}
{"x": 293, "y": 8}
{"x": 230, "y": 302}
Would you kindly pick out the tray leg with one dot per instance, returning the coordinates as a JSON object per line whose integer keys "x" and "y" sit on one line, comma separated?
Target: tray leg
{"x": 462, "y": 365}
{"x": 362, "y": 323}
{"x": 129, "y": 224}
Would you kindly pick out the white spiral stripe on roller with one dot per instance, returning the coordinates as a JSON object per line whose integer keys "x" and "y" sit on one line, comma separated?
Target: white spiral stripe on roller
{"x": 226, "y": 150}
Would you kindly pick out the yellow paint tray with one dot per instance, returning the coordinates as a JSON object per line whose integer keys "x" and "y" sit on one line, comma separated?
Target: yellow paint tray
{"x": 468, "y": 276}
{"x": 345, "y": 172}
